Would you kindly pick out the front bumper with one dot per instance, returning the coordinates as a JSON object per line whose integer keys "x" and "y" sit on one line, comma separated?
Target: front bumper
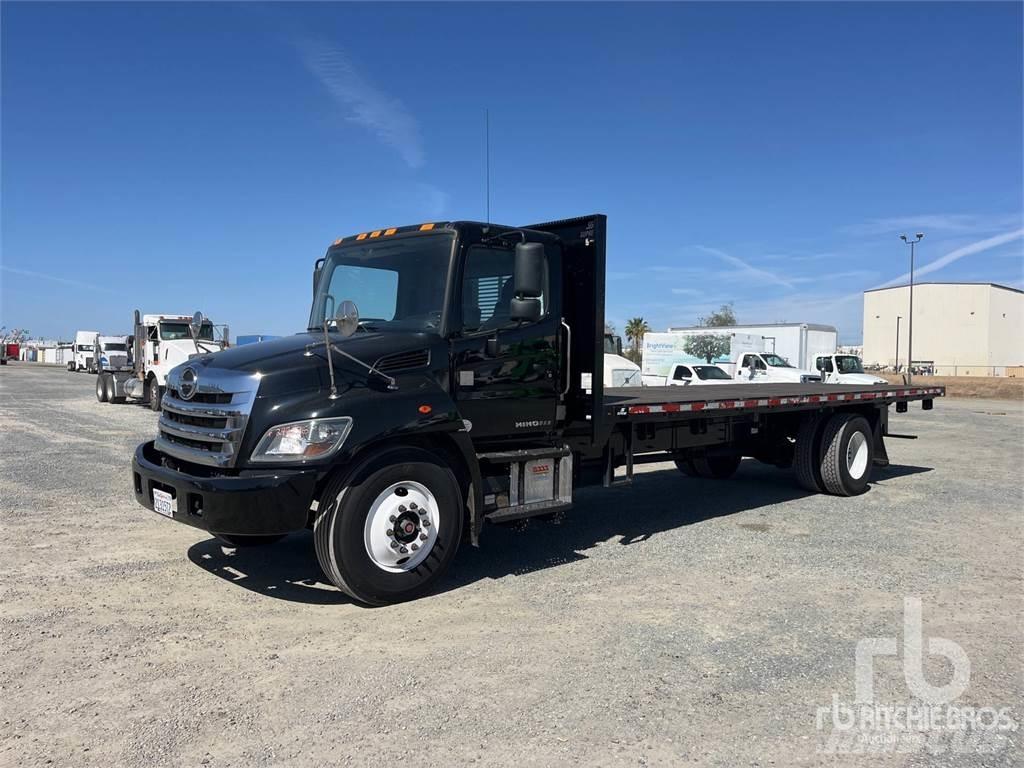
{"x": 245, "y": 505}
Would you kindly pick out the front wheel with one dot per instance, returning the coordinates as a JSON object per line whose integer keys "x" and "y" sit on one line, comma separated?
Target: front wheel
{"x": 156, "y": 394}
{"x": 102, "y": 393}
{"x": 387, "y": 532}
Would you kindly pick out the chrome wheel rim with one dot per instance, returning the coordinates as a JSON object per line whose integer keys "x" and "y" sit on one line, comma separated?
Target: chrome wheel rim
{"x": 857, "y": 455}
{"x": 401, "y": 527}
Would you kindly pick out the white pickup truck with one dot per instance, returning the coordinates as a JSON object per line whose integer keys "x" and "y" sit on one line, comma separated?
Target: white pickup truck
{"x": 769, "y": 367}
{"x": 844, "y": 369}
{"x": 691, "y": 375}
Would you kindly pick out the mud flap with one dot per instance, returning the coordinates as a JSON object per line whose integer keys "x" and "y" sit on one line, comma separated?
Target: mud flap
{"x": 881, "y": 455}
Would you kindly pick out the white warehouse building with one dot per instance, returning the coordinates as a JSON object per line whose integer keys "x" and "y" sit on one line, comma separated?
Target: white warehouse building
{"x": 960, "y": 329}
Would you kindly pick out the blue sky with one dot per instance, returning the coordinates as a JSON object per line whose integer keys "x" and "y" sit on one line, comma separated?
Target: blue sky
{"x": 183, "y": 156}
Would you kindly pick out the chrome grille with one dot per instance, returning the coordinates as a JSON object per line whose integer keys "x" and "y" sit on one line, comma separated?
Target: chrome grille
{"x": 209, "y": 427}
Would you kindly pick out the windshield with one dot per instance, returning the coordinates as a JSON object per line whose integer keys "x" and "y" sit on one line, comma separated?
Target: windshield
{"x": 395, "y": 284}
{"x": 85, "y": 347}
{"x": 705, "y": 372}
{"x": 177, "y": 331}
{"x": 114, "y": 348}
{"x": 611, "y": 344}
{"x": 775, "y": 361}
{"x": 849, "y": 364}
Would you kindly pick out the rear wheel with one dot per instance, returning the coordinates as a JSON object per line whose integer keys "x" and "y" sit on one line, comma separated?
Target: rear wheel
{"x": 156, "y": 394}
{"x": 102, "y": 394}
{"x": 240, "y": 542}
{"x": 848, "y": 454}
{"x": 387, "y": 532}
{"x": 685, "y": 465}
{"x": 807, "y": 453}
{"x": 717, "y": 467}
{"x": 71, "y": 366}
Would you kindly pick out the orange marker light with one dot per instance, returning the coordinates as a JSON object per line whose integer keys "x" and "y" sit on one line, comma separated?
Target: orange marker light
{"x": 390, "y": 231}
{"x": 361, "y": 237}
{"x": 375, "y": 233}
{"x": 424, "y": 409}
{"x": 424, "y": 227}
{"x": 338, "y": 241}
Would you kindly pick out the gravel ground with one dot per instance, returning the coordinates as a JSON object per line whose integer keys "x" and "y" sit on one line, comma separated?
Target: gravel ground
{"x": 679, "y": 621}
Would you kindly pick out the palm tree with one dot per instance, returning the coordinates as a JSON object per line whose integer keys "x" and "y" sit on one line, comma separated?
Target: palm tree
{"x": 635, "y": 330}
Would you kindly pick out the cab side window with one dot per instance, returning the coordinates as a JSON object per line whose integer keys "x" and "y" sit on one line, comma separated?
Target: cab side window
{"x": 488, "y": 287}
{"x": 825, "y": 364}
{"x": 682, "y": 373}
{"x": 153, "y": 333}
{"x": 748, "y": 361}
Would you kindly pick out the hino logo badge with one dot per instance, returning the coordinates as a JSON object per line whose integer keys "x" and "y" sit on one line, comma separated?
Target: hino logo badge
{"x": 187, "y": 383}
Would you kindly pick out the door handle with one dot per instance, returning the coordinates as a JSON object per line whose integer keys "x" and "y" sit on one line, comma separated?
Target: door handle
{"x": 568, "y": 357}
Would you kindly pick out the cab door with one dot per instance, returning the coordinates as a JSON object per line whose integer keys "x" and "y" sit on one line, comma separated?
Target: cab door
{"x": 505, "y": 372}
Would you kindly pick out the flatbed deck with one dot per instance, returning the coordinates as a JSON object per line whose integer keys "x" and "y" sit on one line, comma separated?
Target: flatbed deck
{"x": 643, "y": 401}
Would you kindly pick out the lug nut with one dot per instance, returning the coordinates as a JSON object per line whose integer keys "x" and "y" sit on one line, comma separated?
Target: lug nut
{"x": 403, "y": 550}
{"x": 392, "y": 518}
{"x": 412, "y": 505}
{"x": 423, "y": 537}
{"x": 389, "y": 532}
{"x": 394, "y": 545}
{"x": 401, "y": 507}
{"x": 423, "y": 512}
{"x": 414, "y": 547}
{"x": 426, "y": 523}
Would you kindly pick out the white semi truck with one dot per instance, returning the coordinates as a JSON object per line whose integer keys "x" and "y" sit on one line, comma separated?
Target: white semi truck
{"x": 160, "y": 342}
{"x": 619, "y": 371}
{"x": 113, "y": 353}
{"x": 83, "y": 352}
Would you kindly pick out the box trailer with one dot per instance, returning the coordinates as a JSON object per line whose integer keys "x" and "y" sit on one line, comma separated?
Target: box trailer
{"x": 450, "y": 378}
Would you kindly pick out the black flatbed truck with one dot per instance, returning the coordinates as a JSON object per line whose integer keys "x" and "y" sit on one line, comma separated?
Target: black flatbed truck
{"x": 469, "y": 392}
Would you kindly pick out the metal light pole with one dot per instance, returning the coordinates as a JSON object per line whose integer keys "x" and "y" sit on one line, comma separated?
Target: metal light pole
{"x": 897, "y": 358}
{"x": 910, "y": 314}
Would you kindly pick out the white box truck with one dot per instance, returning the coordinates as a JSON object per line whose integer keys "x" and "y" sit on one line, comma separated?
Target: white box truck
{"x": 798, "y": 343}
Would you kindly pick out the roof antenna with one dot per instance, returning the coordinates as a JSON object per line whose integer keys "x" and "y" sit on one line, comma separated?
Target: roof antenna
{"x": 487, "y": 152}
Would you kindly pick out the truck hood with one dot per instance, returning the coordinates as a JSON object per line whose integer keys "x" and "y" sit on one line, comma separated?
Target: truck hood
{"x": 284, "y": 367}
{"x": 860, "y": 378}
{"x": 791, "y": 374}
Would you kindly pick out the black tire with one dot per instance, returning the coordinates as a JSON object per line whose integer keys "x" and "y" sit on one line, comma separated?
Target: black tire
{"x": 686, "y": 467}
{"x": 71, "y": 367}
{"x": 242, "y": 542}
{"x": 807, "y": 453}
{"x": 339, "y": 528}
{"x": 156, "y": 395}
{"x": 716, "y": 467}
{"x": 102, "y": 393}
{"x": 848, "y": 454}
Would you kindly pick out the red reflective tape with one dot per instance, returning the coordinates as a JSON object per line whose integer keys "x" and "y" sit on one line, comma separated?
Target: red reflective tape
{"x": 671, "y": 407}
{"x": 638, "y": 409}
{"x": 772, "y": 401}
{"x": 698, "y": 406}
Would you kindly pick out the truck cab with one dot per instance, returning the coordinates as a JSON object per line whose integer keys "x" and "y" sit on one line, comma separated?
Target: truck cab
{"x": 767, "y": 367}
{"x": 844, "y": 369}
{"x": 84, "y": 352}
{"x": 618, "y": 370}
{"x": 112, "y": 352}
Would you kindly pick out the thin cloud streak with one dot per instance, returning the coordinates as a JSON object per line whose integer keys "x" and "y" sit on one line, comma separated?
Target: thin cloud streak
{"x": 747, "y": 269}
{"x": 962, "y": 223}
{"x": 56, "y": 279}
{"x": 967, "y": 250}
{"x": 383, "y": 115}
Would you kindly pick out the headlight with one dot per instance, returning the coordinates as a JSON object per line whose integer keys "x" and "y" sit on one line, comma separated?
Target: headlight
{"x": 303, "y": 440}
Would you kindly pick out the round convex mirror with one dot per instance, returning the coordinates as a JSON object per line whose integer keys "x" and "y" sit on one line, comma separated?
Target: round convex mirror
{"x": 347, "y": 318}
{"x": 196, "y": 324}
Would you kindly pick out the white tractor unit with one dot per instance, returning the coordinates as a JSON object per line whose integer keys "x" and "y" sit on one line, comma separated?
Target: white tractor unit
{"x": 84, "y": 352}
{"x": 159, "y": 344}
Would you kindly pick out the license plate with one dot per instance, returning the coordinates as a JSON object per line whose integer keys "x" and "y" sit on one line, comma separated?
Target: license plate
{"x": 163, "y": 503}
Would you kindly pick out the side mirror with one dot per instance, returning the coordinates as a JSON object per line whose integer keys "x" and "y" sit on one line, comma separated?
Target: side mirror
{"x": 529, "y": 270}
{"x": 317, "y": 269}
{"x": 820, "y": 363}
{"x": 527, "y": 310}
{"x": 347, "y": 318}
{"x": 196, "y": 325}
